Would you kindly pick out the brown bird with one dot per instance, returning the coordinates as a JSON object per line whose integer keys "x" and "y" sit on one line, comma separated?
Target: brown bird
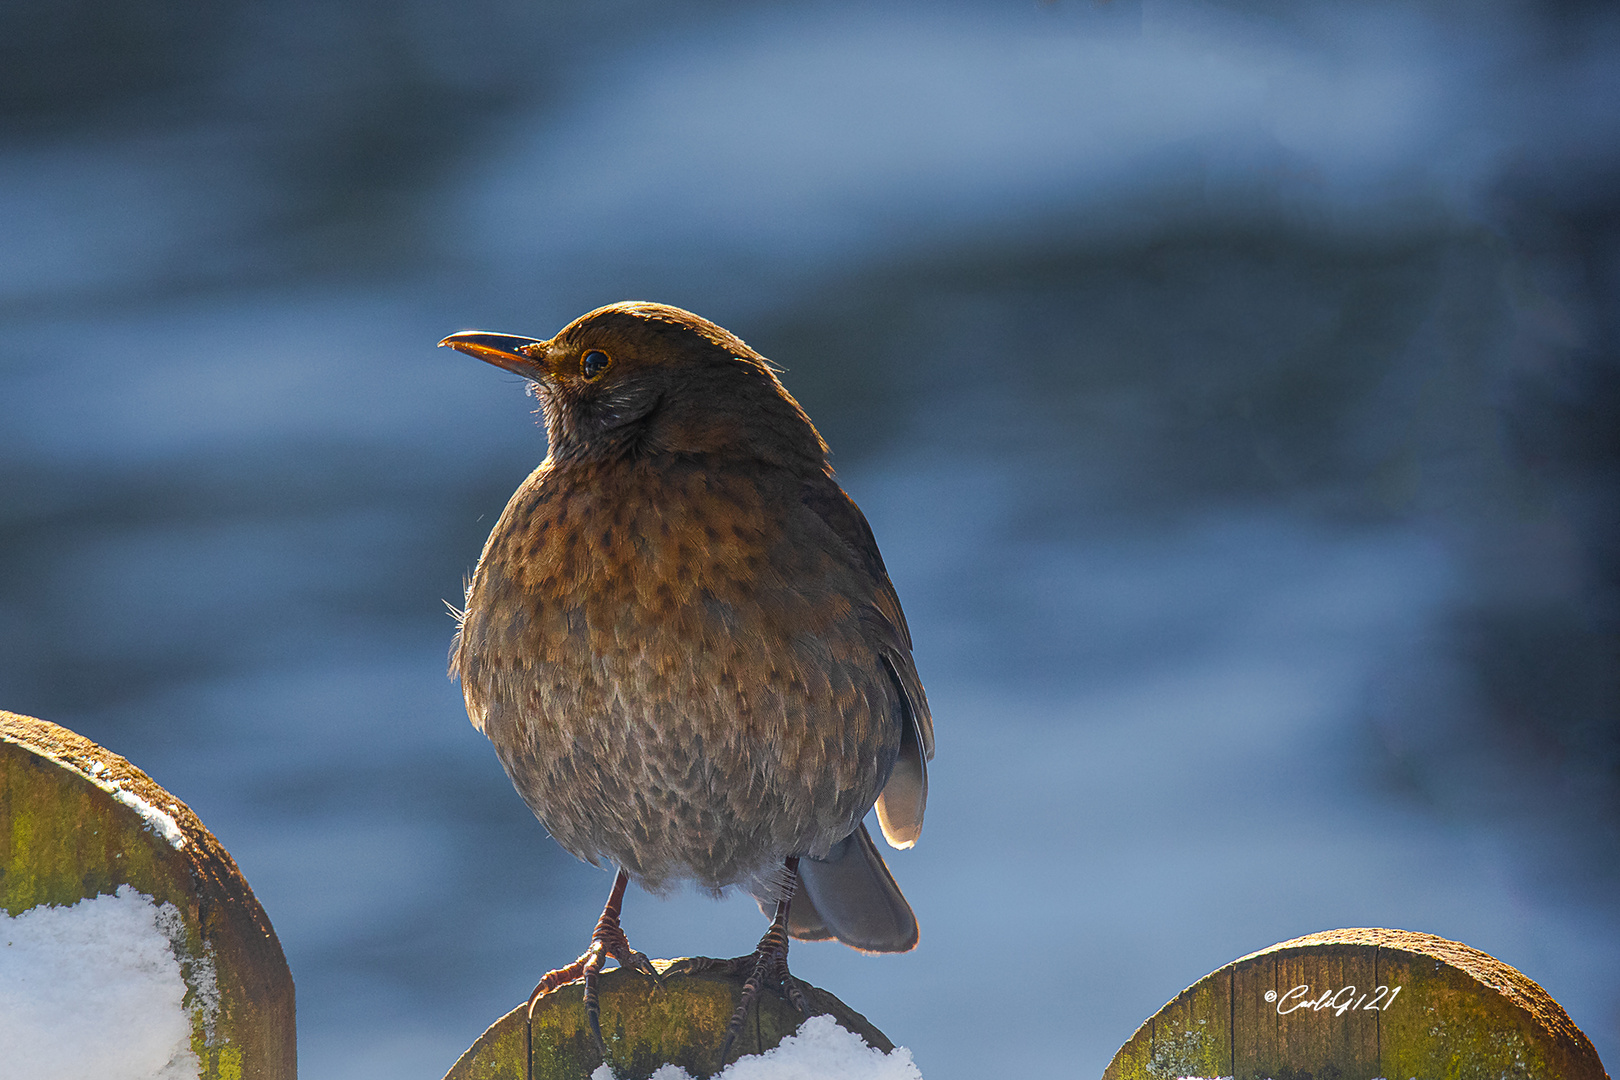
{"x": 685, "y": 648}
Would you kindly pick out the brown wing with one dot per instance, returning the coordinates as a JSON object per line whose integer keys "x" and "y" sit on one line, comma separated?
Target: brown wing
{"x": 904, "y": 799}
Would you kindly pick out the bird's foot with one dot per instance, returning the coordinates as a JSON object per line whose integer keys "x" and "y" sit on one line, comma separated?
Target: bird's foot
{"x": 776, "y": 974}
{"x": 766, "y": 965}
{"x": 608, "y": 941}
{"x": 604, "y": 946}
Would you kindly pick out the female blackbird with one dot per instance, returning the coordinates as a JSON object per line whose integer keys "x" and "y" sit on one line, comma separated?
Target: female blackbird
{"x": 685, "y": 648}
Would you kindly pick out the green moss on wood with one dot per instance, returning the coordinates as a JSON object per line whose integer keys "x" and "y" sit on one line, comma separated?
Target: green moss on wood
{"x": 68, "y": 832}
{"x": 1460, "y": 1014}
{"x": 645, "y": 1028}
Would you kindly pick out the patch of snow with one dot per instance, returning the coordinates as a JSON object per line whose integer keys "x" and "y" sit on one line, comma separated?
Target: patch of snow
{"x": 93, "y": 990}
{"x": 200, "y": 972}
{"x": 156, "y": 820}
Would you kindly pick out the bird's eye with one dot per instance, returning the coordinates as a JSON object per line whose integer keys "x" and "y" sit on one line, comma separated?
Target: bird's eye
{"x": 593, "y": 363}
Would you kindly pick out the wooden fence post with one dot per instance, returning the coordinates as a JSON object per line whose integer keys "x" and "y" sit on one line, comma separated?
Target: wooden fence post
{"x": 78, "y": 821}
{"x": 1357, "y": 1005}
{"x": 644, "y": 1028}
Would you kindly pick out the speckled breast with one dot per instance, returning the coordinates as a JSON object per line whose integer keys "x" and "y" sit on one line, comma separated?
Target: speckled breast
{"x": 672, "y": 662}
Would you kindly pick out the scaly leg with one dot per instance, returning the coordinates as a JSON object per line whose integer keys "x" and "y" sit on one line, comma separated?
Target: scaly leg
{"x": 766, "y": 964}
{"x": 607, "y": 940}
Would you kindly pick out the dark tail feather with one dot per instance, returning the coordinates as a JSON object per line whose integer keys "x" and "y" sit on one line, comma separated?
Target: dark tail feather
{"x": 850, "y": 895}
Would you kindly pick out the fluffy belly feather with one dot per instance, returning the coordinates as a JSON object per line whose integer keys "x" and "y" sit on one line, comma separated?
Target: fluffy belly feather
{"x": 693, "y": 725}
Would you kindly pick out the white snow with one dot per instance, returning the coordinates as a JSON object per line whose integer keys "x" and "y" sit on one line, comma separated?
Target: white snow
{"x": 159, "y": 822}
{"x": 821, "y": 1050}
{"x": 93, "y": 990}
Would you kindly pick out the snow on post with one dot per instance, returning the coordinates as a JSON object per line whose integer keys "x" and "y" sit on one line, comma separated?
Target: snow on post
{"x": 132, "y": 945}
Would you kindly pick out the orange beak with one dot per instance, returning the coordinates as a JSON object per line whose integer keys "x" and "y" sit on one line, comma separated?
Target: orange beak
{"x": 524, "y": 356}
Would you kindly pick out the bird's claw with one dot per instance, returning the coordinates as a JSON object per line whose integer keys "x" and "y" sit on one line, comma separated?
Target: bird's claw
{"x": 607, "y": 942}
{"x": 702, "y": 965}
{"x": 639, "y": 962}
{"x": 551, "y": 980}
{"x": 616, "y": 946}
{"x": 767, "y": 965}
{"x": 795, "y": 993}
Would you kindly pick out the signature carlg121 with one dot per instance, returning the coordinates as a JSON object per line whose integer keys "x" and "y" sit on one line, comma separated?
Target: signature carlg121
{"x": 1339, "y": 1002}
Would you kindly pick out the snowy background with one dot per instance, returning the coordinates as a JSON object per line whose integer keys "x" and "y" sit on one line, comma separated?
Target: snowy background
{"x": 1234, "y": 389}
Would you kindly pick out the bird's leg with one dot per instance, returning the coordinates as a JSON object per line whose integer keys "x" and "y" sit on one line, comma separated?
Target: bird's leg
{"x": 766, "y": 964}
{"x": 607, "y": 940}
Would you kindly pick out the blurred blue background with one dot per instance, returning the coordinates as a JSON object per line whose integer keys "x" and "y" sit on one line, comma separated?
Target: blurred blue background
{"x": 1234, "y": 389}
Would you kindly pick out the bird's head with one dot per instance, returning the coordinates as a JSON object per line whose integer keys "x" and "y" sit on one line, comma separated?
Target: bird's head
{"x": 637, "y": 378}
